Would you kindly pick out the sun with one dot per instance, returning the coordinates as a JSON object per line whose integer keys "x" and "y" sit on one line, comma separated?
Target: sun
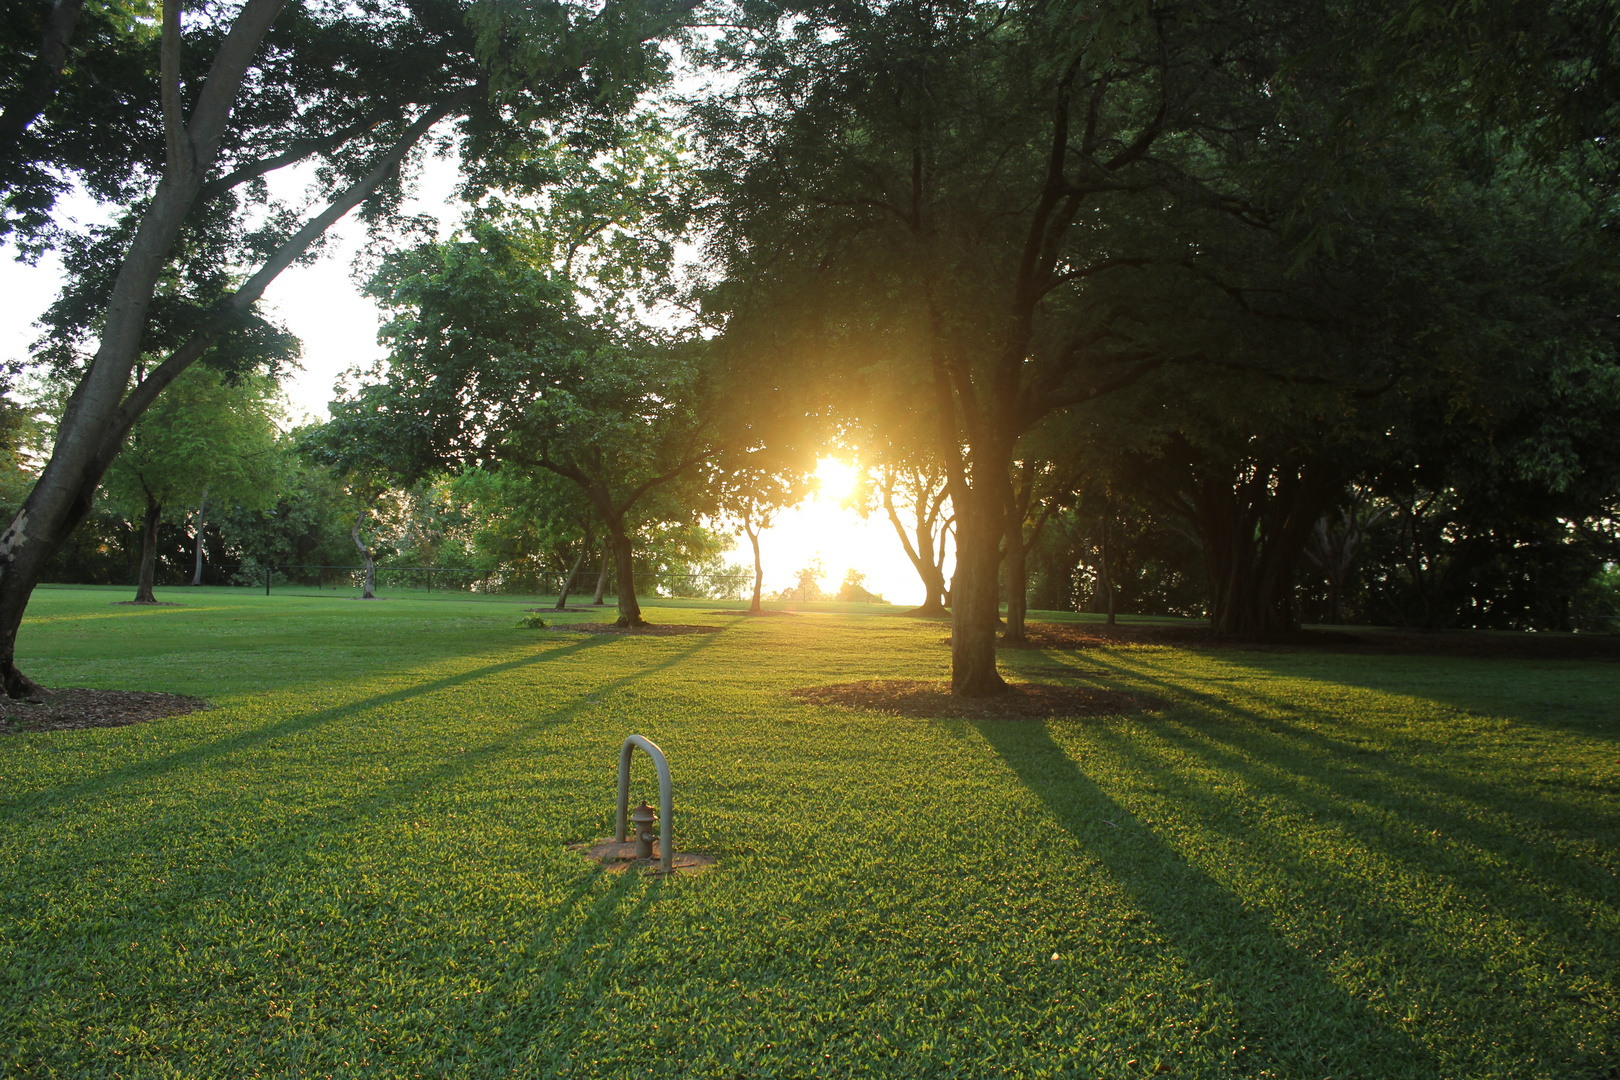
{"x": 835, "y": 480}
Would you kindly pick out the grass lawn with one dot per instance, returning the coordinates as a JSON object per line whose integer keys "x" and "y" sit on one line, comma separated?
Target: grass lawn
{"x": 1304, "y": 865}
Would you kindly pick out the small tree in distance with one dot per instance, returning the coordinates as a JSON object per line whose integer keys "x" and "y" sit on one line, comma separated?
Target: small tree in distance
{"x": 854, "y": 591}
{"x": 205, "y": 434}
{"x": 809, "y": 584}
{"x": 754, "y": 494}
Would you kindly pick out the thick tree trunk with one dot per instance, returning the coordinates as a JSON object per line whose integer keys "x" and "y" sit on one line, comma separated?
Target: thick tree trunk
{"x": 573, "y": 572}
{"x": 602, "y": 579}
{"x": 149, "y": 531}
{"x": 1254, "y": 531}
{"x": 202, "y": 505}
{"x": 754, "y": 607}
{"x": 625, "y": 569}
{"x": 368, "y": 589}
{"x": 975, "y": 597}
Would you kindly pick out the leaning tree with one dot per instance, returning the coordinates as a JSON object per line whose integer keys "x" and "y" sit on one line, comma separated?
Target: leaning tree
{"x": 203, "y": 108}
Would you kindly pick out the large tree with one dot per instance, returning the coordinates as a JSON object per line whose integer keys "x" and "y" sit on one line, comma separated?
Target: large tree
{"x": 1021, "y": 205}
{"x": 493, "y": 361}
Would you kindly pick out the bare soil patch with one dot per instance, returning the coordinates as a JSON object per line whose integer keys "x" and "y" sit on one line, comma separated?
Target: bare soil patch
{"x": 654, "y": 630}
{"x": 1347, "y": 640}
{"x": 1022, "y": 701}
{"x": 76, "y": 708}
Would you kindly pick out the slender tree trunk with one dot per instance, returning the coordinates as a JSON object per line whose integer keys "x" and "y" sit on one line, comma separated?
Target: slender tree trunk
{"x": 754, "y": 607}
{"x": 602, "y": 579}
{"x": 369, "y": 584}
{"x": 1107, "y": 571}
{"x": 149, "y": 530}
{"x": 573, "y": 572}
{"x": 922, "y": 553}
{"x": 202, "y": 505}
{"x": 624, "y": 567}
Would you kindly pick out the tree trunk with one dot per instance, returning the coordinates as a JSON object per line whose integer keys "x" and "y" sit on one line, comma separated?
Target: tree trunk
{"x": 202, "y": 505}
{"x": 624, "y": 568}
{"x": 97, "y": 416}
{"x": 975, "y": 599}
{"x": 1017, "y": 590}
{"x": 602, "y": 579}
{"x": 568, "y": 582}
{"x": 754, "y": 607}
{"x": 922, "y": 556}
{"x": 1253, "y": 532}
{"x": 1107, "y": 573}
{"x": 369, "y": 584}
{"x": 149, "y": 530}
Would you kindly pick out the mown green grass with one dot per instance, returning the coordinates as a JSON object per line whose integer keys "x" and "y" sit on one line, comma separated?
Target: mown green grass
{"x": 1305, "y": 865}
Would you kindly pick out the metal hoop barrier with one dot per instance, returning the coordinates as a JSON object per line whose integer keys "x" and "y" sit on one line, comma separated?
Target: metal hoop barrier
{"x": 666, "y": 799}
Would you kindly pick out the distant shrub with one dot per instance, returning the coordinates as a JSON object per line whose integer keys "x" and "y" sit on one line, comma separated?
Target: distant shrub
{"x": 531, "y": 622}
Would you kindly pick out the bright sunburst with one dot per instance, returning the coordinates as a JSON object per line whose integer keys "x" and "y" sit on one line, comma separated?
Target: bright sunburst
{"x": 835, "y": 480}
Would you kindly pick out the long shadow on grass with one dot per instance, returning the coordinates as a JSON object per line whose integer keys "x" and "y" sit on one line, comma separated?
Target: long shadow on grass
{"x": 274, "y": 857}
{"x": 1293, "y": 1011}
{"x": 562, "y": 994}
{"x": 1441, "y": 844}
{"x": 1465, "y": 693}
{"x": 206, "y": 751}
{"x": 1405, "y": 790}
{"x": 1358, "y": 761}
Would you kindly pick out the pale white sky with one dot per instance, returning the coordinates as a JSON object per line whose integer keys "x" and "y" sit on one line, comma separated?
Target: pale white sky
{"x": 323, "y": 306}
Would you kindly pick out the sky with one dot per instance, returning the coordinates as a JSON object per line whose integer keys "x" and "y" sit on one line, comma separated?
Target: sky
{"x": 323, "y": 305}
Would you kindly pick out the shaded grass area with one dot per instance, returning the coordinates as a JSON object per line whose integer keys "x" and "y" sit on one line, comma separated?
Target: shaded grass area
{"x": 1303, "y": 865}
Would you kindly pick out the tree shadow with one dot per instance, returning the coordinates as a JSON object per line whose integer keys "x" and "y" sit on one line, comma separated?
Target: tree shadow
{"x": 197, "y": 753}
{"x": 1290, "y": 751}
{"x": 1473, "y": 696}
{"x": 1291, "y": 1010}
{"x": 178, "y": 891}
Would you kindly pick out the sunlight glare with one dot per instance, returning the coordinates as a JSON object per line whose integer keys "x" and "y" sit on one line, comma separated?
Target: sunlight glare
{"x": 835, "y": 480}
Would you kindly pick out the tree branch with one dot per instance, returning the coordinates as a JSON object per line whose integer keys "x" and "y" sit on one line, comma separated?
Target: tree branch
{"x": 36, "y": 93}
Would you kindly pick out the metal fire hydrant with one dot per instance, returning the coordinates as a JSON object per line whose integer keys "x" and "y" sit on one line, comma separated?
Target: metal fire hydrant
{"x": 643, "y": 818}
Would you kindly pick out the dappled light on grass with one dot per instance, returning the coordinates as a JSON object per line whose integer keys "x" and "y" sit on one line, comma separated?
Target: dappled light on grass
{"x": 1302, "y": 864}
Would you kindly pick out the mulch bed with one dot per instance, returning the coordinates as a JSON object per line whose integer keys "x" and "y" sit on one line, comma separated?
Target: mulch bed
{"x": 1022, "y": 701}
{"x": 146, "y": 603}
{"x": 72, "y": 709}
{"x": 1349, "y": 640}
{"x": 553, "y": 608}
{"x": 655, "y": 630}
{"x": 759, "y": 614}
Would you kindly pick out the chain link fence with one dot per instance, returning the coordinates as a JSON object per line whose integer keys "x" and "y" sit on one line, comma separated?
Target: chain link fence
{"x": 725, "y": 585}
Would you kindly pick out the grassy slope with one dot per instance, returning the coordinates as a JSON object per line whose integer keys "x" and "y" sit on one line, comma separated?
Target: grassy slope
{"x": 1306, "y": 866}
